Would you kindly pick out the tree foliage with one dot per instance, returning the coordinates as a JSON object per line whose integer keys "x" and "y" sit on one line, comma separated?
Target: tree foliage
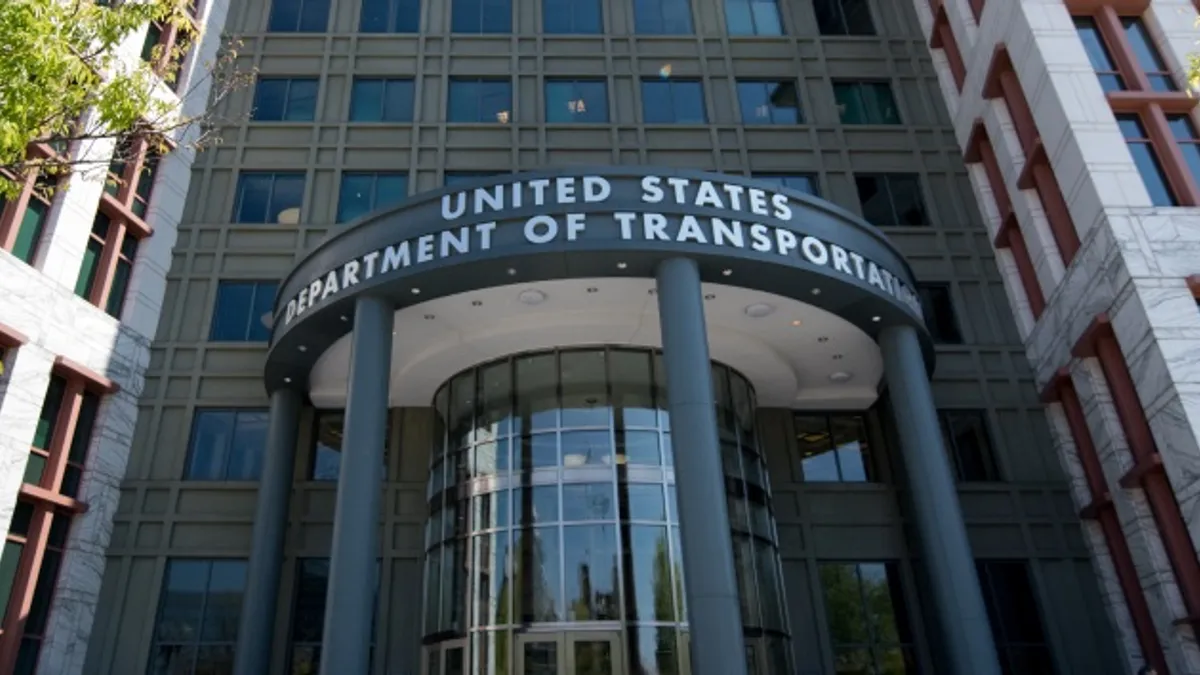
{"x": 67, "y": 76}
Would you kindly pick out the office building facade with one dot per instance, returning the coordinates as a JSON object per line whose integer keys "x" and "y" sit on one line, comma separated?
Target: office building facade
{"x": 667, "y": 336}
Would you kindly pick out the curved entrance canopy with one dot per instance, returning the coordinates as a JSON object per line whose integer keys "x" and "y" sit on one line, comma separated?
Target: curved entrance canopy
{"x": 591, "y": 223}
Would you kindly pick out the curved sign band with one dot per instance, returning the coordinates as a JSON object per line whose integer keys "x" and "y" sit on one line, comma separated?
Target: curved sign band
{"x": 587, "y": 222}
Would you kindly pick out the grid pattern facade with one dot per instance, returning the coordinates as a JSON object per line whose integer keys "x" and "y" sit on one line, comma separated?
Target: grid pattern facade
{"x": 1025, "y": 516}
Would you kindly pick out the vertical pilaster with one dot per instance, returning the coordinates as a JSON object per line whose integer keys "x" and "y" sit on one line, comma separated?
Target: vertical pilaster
{"x": 350, "y": 601}
{"x": 945, "y": 551}
{"x": 710, "y": 581}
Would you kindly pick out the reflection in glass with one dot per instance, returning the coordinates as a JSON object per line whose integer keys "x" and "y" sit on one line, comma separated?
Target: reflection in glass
{"x": 551, "y": 499}
{"x": 867, "y": 621}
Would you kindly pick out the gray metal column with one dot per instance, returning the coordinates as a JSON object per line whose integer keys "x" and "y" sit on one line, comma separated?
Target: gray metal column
{"x": 946, "y": 552}
{"x": 350, "y": 600}
{"x": 710, "y": 583}
{"x": 257, "y": 627}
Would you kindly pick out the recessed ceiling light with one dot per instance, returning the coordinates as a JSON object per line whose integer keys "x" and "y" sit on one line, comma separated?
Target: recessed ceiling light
{"x": 709, "y": 296}
{"x": 532, "y": 296}
{"x": 512, "y": 272}
{"x": 592, "y": 289}
{"x": 797, "y": 322}
{"x": 816, "y": 291}
{"x": 840, "y": 376}
{"x": 621, "y": 265}
{"x": 416, "y": 291}
{"x": 476, "y": 303}
{"x": 759, "y": 310}
{"x": 288, "y": 380}
{"x": 302, "y": 348}
{"x": 876, "y": 319}
{"x": 430, "y": 317}
{"x": 726, "y": 272}
{"x": 345, "y": 318}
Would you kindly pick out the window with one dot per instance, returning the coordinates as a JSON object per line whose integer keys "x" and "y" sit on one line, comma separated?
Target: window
{"x": 662, "y": 17}
{"x": 269, "y": 197}
{"x": 132, "y": 172}
{"x": 867, "y": 618}
{"x": 480, "y": 101}
{"x": 844, "y": 17}
{"x": 865, "y": 103}
{"x": 327, "y": 445}
{"x": 834, "y": 448}
{"x": 243, "y": 311}
{"x": 583, "y": 101}
{"x": 1146, "y": 158}
{"x": 198, "y": 614}
{"x": 939, "y": 313}
{"x": 769, "y": 102}
{"x": 366, "y": 191}
{"x": 1012, "y": 609}
{"x": 965, "y": 435}
{"x": 47, "y": 578}
{"x": 165, "y": 48}
{"x": 46, "y": 430}
{"x": 481, "y": 16}
{"x": 381, "y": 100}
{"x": 673, "y": 102}
{"x": 460, "y": 177}
{"x": 806, "y": 183}
{"x": 285, "y": 99}
{"x": 1184, "y": 133}
{"x": 1148, "y": 57}
{"x": 390, "y": 16}
{"x": 227, "y": 445}
{"x": 308, "y": 617}
{"x": 572, "y": 16}
{"x": 23, "y": 217}
{"x": 891, "y": 200}
{"x": 93, "y": 256}
{"x": 299, "y": 16}
{"x": 753, "y": 17}
{"x": 1097, "y": 51}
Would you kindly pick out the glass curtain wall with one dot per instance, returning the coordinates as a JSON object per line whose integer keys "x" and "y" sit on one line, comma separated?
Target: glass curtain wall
{"x": 553, "y": 539}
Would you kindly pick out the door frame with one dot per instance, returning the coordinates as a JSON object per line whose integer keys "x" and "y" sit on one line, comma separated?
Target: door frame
{"x": 564, "y": 641}
{"x": 440, "y": 648}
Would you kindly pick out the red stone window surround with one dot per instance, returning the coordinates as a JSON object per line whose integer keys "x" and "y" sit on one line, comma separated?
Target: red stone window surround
{"x": 1151, "y": 95}
{"x": 979, "y": 150}
{"x": 23, "y": 217}
{"x": 1100, "y": 342}
{"x": 943, "y": 39}
{"x": 1001, "y": 82}
{"x": 162, "y": 38}
{"x": 51, "y": 496}
{"x": 119, "y": 227}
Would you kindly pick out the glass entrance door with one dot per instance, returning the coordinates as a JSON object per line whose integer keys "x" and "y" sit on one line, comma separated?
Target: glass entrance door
{"x": 578, "y": 653}
{"x": 447, "y": 658}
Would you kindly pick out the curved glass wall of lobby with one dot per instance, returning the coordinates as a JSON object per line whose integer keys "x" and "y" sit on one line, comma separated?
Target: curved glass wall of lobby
{"x": 553, "y": 541}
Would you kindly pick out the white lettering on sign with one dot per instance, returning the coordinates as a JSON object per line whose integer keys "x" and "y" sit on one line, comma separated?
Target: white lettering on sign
{"x": 570, "y": 225}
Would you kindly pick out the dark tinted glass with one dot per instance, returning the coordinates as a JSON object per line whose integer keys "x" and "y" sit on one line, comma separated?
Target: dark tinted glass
{"x": 363, "y": 192}
{"x": 891, "y": 199}
{"x": 299, "y": 16}
{"x": 572, "y": 16}
{"x": 866, "y": 103}
{"x": 939, "y": 313}
{"x": 1015, "y": 618}
{"x": 227, "y": 445}
{"x": 1146, "y": 160}
{"x": 768, "y": 102}
{"x": 51, "y": 403}
{"x": 967, "y": 441}
{"x": 269, "y": 197}
{"x": 285, "y": 99}
{"x": 481, "y": 16}
{"x": 198, "y": 615}
{"x": 480, "y": 101}
{"x": 242, "y": 310}
{"x": 672, "y": 102}
{"x": 844, "y": 17}
{"x": 753, "y": 17}
{"x": 381, "y": 100}
{"x": 867, "y": 618}
{"x": 582, "y": 101}
{"x": 1097, "y": 51}
{"x": 806, "y": 183}
{"x": 662, "y": 17}
{"x": 1185, "y": 134}
{"x": 1147, "y": 55}
{"x": 390, "y": 16}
